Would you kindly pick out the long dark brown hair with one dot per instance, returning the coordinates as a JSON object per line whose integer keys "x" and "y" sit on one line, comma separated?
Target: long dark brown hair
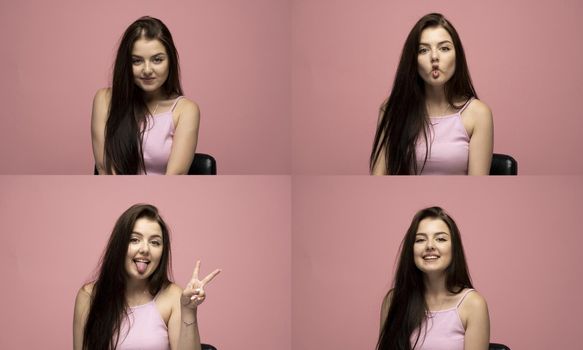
{"x": 108, "y": 303}
{"x": 403, "y": 118}
{"x": 128, "y": 109}
{"x": 408, "y": 308}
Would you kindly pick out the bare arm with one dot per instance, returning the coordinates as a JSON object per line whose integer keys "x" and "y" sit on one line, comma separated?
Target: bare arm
{"x": 99, "y": 116}
{"x": 475, "y": 311}
{"x": 380, "y": 166}
{"x": 482, "y": 139}
{"x": 185, "y": 139}
{"x": 183, "y": 324}
{"x": 82, "y": 303}
{"x": 385, "y": 309}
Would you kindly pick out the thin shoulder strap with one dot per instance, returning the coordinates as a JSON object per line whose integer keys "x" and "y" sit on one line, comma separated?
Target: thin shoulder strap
{"x": 175, "y": 102}
{"x": 466, "y": 105}
{"x": 463, "y": 297}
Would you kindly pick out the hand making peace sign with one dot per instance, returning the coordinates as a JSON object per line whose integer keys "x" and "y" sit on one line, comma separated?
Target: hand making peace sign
{"x": 193, "y": 295}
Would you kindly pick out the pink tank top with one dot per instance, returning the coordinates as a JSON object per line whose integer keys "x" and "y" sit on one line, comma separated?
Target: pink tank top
{"x": 157, "y": 141}
{"x": 442, "y": 330}
{"x": 144, "y": 329}
{"x": 449, "y": 147}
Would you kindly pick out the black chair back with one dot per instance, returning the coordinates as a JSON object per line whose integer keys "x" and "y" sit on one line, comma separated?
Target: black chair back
{"x": 496, "y": 346}
{"x": 207, "y": 347}
{"x": 503, "y": 164}
{"x": 202, "y": 164}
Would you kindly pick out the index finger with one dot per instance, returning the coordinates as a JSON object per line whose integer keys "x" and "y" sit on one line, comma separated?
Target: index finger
{"x": 210, "y": 277}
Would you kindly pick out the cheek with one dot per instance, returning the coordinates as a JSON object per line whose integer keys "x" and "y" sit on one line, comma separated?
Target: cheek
{"x": 422, "y": 64}
{"x": 451, "y": 64}
{"x": 165, "y": 69}
{"x": 417, "y": 252}
{"x": 132, "y": 251}
{"x": 157, "y": 255}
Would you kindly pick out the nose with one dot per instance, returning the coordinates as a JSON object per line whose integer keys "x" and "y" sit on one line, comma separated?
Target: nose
{"x": 147, "y": 68}
{"x": 144, "y": 248}
{"x": 434, "y": 55}
{"x": 430, "y": 245}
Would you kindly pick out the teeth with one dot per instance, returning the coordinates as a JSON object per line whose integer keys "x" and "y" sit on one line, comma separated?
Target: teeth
{"x": 430, "y": 257}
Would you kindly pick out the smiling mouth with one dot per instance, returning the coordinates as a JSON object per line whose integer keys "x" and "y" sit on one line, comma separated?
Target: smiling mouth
{"x": 430, "y": 257}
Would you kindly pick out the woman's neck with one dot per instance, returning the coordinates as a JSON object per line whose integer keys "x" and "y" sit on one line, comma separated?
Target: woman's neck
{"x": 435, "y": 285}
{"x": 435, "y": 100}
{"x": 153, "y": 97}
{"x": 137, "y": 289}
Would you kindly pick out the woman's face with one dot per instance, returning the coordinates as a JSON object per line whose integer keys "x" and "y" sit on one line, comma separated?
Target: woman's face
{"x": 435, "y": 56}
{"x": 432, "y": 247}
{"x": 145, "y": 249}
{"x": 150, "y": 64}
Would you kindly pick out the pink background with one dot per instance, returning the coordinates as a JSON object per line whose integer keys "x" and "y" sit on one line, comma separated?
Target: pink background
{"x": 54, "y": 230}
{"x": 293, "y": 85}
{"x": 234, "y": 55}
{"x": 524, "y": 58}
{"x": 521, "y": 236}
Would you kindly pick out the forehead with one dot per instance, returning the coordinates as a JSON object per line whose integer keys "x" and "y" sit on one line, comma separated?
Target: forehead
{"x": 432, "y": 226}
{"x": 147, "y": 227}
{"x": 434, "y": 35}
{"x": 148, "y": 47}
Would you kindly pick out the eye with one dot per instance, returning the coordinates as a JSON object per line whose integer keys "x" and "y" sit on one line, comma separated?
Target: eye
{"x": 156, "y": 243}
{"x": 445, "y": 48}
{"x": 417, "y": 240}
{"x": 134, "y": 240}
{"x": 136, "y": 61}
{"x": 442, "y": 239}
{"x": 423, "y": 50}
{"x": 158, "y": 60}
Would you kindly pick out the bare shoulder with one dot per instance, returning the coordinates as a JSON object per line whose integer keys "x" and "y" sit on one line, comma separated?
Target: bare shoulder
{"x": 388, "y": 298}
{"x": 188, "y": 108}
{"x": 386, "y": 303}
{"x": 478, "y": 110}
{"x": 103, "y": 95}
{"x": 474, "y": 303}
{"x": 83, "y": 298}
{"x": 87, "y": 289}
{"x": 171, "y": 292}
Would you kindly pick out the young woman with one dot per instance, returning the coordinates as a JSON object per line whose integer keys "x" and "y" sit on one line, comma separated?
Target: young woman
{"x": 432, "y": 304}
{"x": 432, "y": 123}
{"x": 143, "y": 124}
{"x": 133, "y": 304}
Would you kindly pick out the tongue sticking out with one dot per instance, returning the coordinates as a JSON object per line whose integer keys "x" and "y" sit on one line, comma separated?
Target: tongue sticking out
{"x": 435, "y": 73}
{"x": 141, "y": 266}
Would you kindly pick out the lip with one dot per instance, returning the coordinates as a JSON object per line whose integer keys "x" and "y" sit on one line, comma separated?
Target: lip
{"x": 432, "y": 257}
{"x": 148, "y": 80}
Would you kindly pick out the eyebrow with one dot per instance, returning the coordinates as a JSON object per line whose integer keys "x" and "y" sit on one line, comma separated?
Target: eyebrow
{"x": 153, "y": 236}
{"x": 435, "y": 234}
{"x": 439, "y": 43}
{"x": 158, "y": 54}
